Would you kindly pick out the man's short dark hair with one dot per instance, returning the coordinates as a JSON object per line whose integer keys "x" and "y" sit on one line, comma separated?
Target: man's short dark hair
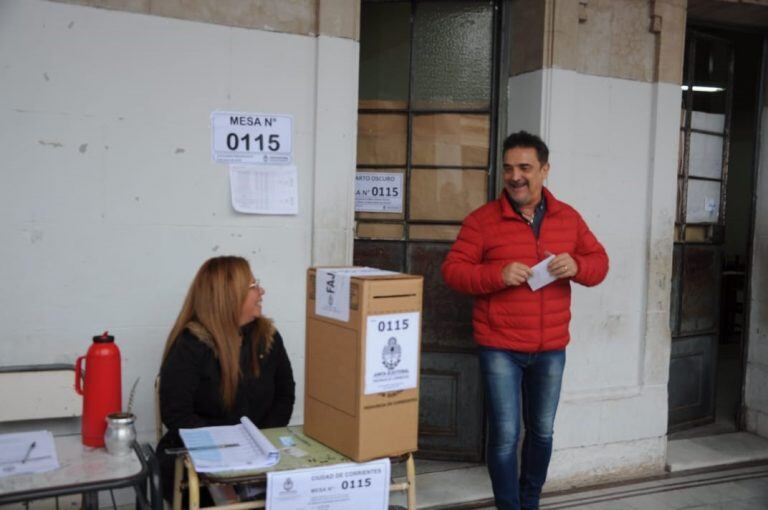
{"x": 528, "y": 141}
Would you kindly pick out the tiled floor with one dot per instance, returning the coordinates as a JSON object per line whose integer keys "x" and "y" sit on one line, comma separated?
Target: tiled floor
{"x": 442, "y": 486}
{"x": 713, "y": 451}
{"x": 743, "y": 488}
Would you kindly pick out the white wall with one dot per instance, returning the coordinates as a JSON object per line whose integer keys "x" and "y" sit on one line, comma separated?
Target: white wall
{"x": 110, "y": 201}
{"x": 613, "y": 146}
{"x": 755, "y": 395}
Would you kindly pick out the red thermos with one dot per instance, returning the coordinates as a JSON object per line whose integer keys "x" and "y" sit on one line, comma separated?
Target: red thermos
{"x": 103, "y": 387}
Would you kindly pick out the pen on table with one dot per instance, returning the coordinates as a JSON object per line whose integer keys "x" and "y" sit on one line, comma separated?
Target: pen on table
{"x": 176, "y": 451}
{"x": 29, "y": 451}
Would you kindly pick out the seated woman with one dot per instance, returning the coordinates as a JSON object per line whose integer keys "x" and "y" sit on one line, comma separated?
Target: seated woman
{"x": 222, "y": 360}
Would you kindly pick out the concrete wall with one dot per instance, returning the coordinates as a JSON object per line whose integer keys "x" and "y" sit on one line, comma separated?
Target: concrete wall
{"x": 755, "y": 394}
{"x": 612, "y": 38}
{"x": 336, "y": 18}
{"x": 110, "y": 201}
{"x": 611, "y": 121}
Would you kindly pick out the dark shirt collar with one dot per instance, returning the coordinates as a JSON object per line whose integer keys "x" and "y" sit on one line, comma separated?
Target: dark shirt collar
{"x": 541, "y": 207}
{"x": 538, "y": 214}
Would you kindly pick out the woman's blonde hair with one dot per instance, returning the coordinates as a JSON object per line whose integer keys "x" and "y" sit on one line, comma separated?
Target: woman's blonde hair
{"x": 212, "y": 310}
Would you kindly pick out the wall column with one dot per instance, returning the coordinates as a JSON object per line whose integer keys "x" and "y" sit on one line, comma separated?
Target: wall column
{"x": 335, "y": 127}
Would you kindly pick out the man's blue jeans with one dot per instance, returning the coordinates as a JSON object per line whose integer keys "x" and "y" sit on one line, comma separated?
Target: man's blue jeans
{"x": 514, "y": 382}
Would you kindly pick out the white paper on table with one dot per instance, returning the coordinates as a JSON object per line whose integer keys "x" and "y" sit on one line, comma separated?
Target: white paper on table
{"x": 392, "y": 352}
{"x": 332, "y": 289}
{"x": 18, "y": 455}
{"x": 264, "y": 189}
{"x": 541, "y": 275}
{"x": 240, "y": 447}
{"x": 346, "y": 486}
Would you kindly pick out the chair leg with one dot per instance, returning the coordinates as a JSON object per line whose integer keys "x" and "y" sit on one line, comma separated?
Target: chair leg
{"x": 193, "y": 486}
{"x": 410, "y": 472}
{"x": 178, "y": 471}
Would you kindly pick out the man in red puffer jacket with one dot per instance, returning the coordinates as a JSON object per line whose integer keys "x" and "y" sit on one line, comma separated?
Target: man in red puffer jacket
{"x": 522, "y": 333}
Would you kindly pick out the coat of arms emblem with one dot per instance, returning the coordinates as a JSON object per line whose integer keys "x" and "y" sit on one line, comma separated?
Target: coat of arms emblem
{"x": 390, "y": 356}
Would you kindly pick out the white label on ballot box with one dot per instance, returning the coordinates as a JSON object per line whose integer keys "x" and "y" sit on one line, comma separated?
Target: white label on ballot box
{"x": 392, "y": 352}
{"x": 332, "y": 289}
{"x": 337, "y": 487}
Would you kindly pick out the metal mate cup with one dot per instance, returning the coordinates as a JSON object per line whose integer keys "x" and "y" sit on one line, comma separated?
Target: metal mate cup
{"x": 120, "y": 434}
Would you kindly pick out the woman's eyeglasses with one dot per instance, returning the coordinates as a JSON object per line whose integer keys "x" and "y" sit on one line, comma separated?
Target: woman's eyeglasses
{"x": 255, "y": 285}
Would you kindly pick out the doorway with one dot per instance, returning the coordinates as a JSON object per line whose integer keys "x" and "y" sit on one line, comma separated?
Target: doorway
{"x": 427, "y": 124}
{"x": 713, "y": 231}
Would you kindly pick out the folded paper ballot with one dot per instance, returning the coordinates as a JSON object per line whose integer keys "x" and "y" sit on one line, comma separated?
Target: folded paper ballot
{"x": 27, "y": 452}
{"x": 240, "y": 447}
{"x": 541, "y": 276}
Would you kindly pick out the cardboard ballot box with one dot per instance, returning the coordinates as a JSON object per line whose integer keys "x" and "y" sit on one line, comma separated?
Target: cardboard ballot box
{"x": 362, "y": 361}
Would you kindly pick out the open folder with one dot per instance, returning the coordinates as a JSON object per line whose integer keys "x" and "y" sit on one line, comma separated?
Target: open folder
{"x": 240, "y": 447}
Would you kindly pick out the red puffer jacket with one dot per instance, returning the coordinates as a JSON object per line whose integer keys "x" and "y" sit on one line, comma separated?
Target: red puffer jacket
{"x": 517, "y": 318}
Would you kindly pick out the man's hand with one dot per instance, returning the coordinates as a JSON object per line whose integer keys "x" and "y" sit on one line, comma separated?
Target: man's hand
{"x": 515, "y": 273}
{"x": 563, "y": 266}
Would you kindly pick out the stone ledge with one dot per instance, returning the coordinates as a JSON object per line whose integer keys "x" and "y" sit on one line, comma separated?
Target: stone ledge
{"x": 715, "y": 451}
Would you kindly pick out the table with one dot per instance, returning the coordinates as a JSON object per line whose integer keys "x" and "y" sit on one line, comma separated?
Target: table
{"x": 318, "y": 455}
{"x": 85, "y": 470}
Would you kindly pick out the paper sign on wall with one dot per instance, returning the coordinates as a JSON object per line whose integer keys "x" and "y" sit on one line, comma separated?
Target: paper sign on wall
{"x": 710, "y": 206}
{"x": 379, "y": 192}
{"x": 332, "y": 290}
{"x": 264, "y": 189}
{"x": 339, "y": 487}
{"x": 392, "y": 352}
{"x": 252, "y": 138}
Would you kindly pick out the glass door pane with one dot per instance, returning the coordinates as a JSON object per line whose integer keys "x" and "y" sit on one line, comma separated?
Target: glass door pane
{"x": 452, "y": 57}
{"x": 384, "y": 54}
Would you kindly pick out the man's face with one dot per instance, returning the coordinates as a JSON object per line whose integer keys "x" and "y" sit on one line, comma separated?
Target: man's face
{"x": 524, "y": 175}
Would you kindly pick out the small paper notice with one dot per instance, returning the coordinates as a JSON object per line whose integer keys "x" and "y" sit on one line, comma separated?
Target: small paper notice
{"x": 710, "y": 205}
{"x": 379, "y": 192}
{"x": 541, "y": 276}
{"x": 264, "y": 189}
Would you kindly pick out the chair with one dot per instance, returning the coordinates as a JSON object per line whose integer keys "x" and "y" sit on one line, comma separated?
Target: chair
{"x": 159, "y": 428}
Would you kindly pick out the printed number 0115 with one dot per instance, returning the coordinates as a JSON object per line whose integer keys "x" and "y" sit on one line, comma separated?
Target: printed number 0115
{"x": 395, "y": 325}
{"x": 233, "y": 142}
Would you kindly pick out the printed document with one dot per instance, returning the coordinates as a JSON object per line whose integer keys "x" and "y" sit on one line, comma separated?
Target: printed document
{"x": 239, "y": 447}
{"x": 264, "y": 189}
{"x": 27, "y": 452}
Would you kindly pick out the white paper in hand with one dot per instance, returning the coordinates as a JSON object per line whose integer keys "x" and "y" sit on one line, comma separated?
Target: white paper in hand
{"x": 541, "y": 276}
